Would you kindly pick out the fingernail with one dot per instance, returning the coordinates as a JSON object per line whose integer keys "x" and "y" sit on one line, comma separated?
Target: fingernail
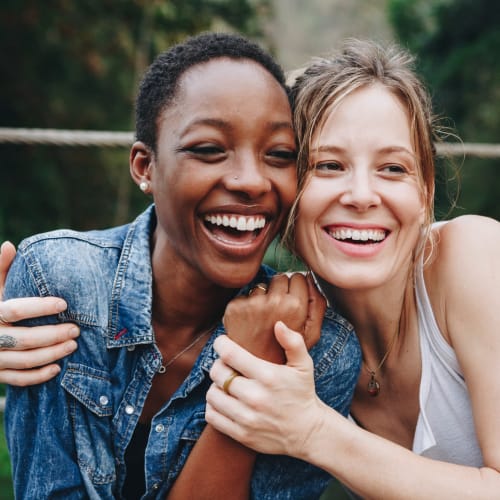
{"x": 74, "y": 331}
{"x": 54, "y": 370}
{"x": 71, "y": 346}
{"x": 60, "y": 305}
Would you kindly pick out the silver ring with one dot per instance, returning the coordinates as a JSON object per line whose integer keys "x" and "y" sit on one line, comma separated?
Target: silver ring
{"x": 3, "y": 321}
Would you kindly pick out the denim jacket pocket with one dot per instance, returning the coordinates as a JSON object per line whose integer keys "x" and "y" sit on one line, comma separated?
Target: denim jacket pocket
{"x": 91, "y": 408}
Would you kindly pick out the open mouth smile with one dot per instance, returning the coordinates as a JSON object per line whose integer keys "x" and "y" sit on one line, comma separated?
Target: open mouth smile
{"x": 235, "y": 229}
{"x": 357, "y": 236}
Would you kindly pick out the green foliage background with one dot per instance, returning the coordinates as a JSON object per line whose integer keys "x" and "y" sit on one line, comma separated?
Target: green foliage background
{"x": 76, "y": 65}
{"x": 457, "y": 43}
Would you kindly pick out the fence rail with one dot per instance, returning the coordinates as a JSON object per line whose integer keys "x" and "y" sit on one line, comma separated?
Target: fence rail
{"x": 86, "y": 138}
{"x": 124, "y": 139}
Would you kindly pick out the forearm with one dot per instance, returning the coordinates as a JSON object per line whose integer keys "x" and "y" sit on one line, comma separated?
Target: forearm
{"x": 376, "y": 468}
{"x": 217, "y": 467}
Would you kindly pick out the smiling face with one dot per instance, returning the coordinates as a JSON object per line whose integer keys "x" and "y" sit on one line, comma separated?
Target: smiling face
{"x": 224, "y": 175}
{"x": 361, "y": 211}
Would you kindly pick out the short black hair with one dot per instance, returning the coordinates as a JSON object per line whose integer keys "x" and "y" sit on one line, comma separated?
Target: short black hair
{"x": 160, "y": 81}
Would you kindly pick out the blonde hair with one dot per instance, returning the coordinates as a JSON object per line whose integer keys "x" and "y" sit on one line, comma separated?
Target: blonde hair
{"x": 327, "y": 81}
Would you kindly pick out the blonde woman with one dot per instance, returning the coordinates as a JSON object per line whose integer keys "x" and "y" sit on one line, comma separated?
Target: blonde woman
{"x": 424, "y": 299}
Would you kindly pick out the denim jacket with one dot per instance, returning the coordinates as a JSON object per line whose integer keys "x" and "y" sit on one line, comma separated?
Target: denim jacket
{"x": 67, "y": 438}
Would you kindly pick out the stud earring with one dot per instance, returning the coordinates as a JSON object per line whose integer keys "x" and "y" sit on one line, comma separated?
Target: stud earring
{"x": 235, "y": 177}
{"x": 144, "y": 186}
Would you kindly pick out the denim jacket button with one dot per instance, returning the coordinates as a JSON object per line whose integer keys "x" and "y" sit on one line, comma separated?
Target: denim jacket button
{"x": 131, "y": 348}
{"x": 156, "y": 486}
{"x": 129, "y": 409}
{"x": 159, "y": 428}
{"x": 103, "y": 400}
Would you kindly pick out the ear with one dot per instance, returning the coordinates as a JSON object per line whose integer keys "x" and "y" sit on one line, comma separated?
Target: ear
{"x": 141, "y": 162}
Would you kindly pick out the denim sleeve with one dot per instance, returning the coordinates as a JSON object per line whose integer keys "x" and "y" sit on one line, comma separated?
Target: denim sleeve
{"x": 37, "y": 422}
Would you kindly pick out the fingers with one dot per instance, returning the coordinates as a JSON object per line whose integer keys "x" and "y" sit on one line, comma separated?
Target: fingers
{"x": 239, "y": 359}
{"x": 30, "y": 307}
{"x": 258, "y": 289}
{"x": 21, "y": 338}
{"x": 291, "y": 293}
{"x": 220, "y": 421}
{"x": 294, "y": 346}
{"x": 32, "y": 358}
{"x": 7, "y": 254}
{"x": 317, "y": 302}
{"x": 23, "y": 378}
{"x": 316, "y": 310}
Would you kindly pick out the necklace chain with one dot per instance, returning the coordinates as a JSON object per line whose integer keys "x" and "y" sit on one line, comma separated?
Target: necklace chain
{"x": 163, "y": 368}
{"x": 373, "y": 384}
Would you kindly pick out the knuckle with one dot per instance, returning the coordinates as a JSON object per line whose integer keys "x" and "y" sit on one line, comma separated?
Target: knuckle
{"x": 267, "y": 377}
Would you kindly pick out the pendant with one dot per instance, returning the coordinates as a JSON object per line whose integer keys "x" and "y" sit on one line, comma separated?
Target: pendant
{"x": 373, "y": 385}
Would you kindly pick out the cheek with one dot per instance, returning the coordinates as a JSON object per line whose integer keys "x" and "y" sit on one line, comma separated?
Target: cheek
{"x": 287, "y": 188}
{"x": 304, "y": 226}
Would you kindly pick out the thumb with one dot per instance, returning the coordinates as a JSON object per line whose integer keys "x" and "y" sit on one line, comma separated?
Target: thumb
{"x": 294, "y": 346}
{"x": 7, "y": 254}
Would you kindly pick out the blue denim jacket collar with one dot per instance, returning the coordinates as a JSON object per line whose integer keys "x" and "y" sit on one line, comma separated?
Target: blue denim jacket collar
{"x": 131, "y": 301}
{"x": 132, "y": 293}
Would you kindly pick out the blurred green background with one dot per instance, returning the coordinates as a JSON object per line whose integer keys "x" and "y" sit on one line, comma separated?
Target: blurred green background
{"x": 76, "y": 65}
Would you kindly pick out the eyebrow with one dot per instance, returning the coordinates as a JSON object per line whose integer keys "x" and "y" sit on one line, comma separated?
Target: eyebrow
{"x": 224, "y": 125}
{"x": 330, "y": 148}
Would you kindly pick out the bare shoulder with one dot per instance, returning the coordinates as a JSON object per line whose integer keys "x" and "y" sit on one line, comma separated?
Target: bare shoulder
{"x": 467, "y": 239}
{"x": 465, "y": 268}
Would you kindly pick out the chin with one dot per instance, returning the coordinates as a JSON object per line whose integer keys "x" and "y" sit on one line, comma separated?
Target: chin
{"x": 233, "y": 276}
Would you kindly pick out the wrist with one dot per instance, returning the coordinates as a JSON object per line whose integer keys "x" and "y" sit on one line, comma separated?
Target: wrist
{"x": 317, "y": 433}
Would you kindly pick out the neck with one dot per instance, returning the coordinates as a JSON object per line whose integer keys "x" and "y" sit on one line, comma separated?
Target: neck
{"x": 184, "y": 301}
{"x": 377, "y": 315}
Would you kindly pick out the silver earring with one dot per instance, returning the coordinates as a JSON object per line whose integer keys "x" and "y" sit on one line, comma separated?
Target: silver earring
{"x": 236, "y": 178}
{"x": 144, "y": 186}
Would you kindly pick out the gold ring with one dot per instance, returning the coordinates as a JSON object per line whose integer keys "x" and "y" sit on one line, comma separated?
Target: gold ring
{"x": 260, "y": 286}
{"x": 3, "y": 321}
{"x": 229, "y": 381}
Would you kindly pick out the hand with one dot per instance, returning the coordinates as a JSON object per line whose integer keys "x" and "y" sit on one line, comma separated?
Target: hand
{"x": 27, "y": 355}
{"x": 270, "y": 408}
{"x": 250, "y": 321}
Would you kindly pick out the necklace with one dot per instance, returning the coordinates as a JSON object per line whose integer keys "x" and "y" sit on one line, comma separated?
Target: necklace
{"x": 163, "y": 368}
{"x": 373, "y": 385}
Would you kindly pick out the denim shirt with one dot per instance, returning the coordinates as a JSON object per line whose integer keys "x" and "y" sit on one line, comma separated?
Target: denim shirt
{"x": 67, "y": 438}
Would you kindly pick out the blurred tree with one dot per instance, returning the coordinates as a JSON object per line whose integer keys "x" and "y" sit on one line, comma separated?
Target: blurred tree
{"x": 458, "y": 42}
{"x": 76, "y": 65}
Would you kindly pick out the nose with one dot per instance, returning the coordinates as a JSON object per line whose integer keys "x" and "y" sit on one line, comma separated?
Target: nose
{"x": 360, "y": 191}
{"x": 248, "y": 175}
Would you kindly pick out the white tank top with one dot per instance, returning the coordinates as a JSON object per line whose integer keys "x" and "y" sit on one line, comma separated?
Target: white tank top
{"x": 445, "y": 427}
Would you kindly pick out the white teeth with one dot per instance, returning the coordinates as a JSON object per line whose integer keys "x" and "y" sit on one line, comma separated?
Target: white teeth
{"x": 240, "y": 223}
{"x": 358, "y": 234}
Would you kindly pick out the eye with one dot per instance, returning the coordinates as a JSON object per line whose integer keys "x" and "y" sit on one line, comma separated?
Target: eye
{"x": 328, "y": 166}
{"x": 282, "y": 157}
{"x": 210, "y": 153}
{"x": 393, "y": 169}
